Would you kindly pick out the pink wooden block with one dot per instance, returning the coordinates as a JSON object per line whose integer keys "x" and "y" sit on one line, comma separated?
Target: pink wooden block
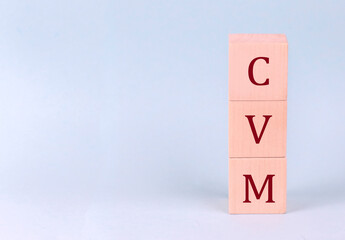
{"x": 268, "y": 54}
{"x": 257, "y": 185}
{"x": 246, "y": 124}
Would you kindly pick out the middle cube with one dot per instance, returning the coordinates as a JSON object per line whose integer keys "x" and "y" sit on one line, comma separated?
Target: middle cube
{"x": 257, "y": 128}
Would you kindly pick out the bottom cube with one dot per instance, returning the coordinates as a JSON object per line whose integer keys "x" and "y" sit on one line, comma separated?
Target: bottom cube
{"x": 257, "y": 185}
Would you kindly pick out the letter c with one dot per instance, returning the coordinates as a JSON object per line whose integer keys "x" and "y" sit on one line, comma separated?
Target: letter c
{"x": 250, "y": 71}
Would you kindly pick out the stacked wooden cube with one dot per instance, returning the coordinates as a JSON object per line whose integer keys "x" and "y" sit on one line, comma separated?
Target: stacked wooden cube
{"x": 257, "y": 123}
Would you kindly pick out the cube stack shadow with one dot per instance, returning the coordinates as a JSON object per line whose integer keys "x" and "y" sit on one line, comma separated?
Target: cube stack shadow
{"x": 258, "y": 65}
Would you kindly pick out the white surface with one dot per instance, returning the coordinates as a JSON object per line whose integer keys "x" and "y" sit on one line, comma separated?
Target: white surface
{"x": 185, "y": 216}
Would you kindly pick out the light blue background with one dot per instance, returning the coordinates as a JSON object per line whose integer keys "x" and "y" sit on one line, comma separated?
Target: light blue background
{"x": 113, "y": 119}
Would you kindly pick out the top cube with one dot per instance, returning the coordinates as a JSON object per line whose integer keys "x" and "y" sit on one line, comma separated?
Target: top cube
{"x": 258, "y": 65}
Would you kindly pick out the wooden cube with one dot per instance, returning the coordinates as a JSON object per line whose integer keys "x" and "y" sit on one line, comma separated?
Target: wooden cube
{"x": 258, "y": 67}
{"x": 257, "y": 128}
{"x": 257, "y": 185}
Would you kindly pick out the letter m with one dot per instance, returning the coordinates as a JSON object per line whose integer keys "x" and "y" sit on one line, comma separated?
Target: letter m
{"x": 249, "y": 180}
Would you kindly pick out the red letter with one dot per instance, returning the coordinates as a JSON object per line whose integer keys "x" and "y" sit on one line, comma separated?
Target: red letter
{"x": 268, "y": 179}
{"x": 251, "y": 123}
{"x": 250, "y": 71}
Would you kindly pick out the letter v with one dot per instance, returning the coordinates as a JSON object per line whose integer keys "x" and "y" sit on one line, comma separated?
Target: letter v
{"x": 251, "y": 123}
